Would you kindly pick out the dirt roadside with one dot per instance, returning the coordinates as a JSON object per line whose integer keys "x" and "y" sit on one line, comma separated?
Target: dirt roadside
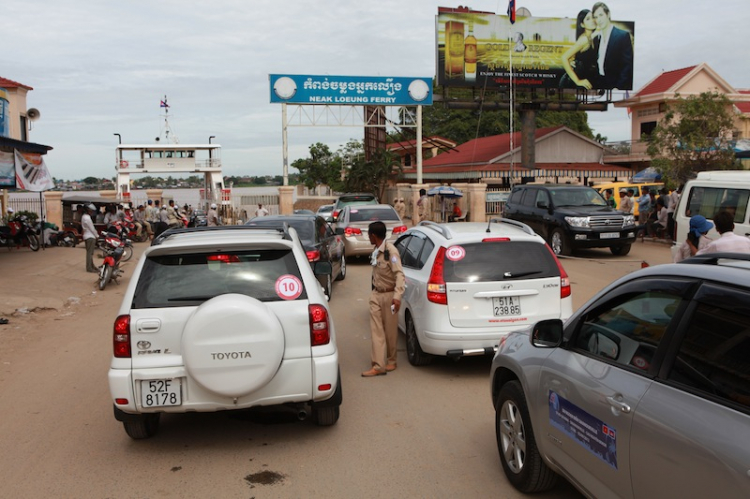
{"x": 48, "y": 285}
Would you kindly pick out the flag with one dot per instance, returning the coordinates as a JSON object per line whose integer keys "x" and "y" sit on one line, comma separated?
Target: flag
{"x": 512, "y": 11}
{"x": 164, "y": 103}
{"x": 31, "y": 172}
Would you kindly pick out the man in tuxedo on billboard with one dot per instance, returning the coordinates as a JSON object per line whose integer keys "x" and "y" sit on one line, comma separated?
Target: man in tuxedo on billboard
{"x": 615, "y": 51}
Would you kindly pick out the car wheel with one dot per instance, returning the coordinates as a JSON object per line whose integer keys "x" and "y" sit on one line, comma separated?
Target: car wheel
{"x": 413, "y": 350}
{"x": 328, "y": 289}
{"x": 621, "y": 250}
{"x": 342, "y": 272}
{"x": 325, "y": 416}
{"x": 33, "y": 242}
{"x": 559, "y": 242}
{"x": 522, "y": 462}
{"x": 145, "y": 426}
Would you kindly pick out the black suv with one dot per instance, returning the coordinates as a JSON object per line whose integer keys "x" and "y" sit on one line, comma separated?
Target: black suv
{"x": 570, "y": 217}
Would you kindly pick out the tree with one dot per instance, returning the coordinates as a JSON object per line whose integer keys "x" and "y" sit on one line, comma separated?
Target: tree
{"x": 90, "y": 181}
{"x": 372, "y": 175}
{"x": 694, "y": 135}
{"x": 322, "y": 167}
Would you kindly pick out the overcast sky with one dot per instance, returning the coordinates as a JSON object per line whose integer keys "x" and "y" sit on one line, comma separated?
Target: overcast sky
{"x": 101, "y": 67}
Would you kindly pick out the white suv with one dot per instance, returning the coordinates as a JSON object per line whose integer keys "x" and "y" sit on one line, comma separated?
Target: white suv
{"x": 222, "y": 318}
{"x": 470, "y": 284}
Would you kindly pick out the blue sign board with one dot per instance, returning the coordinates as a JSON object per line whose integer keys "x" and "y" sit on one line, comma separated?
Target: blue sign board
{"x": 596, "y": 436}
{"x": 351, "y": 90}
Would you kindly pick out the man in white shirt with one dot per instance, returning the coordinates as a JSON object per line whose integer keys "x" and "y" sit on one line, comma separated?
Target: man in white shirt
{"x": 729, "y": 242}
{"x": 212, "y": 217}
{"x": 89, "y": 237}
{"x": 261, "y": 212}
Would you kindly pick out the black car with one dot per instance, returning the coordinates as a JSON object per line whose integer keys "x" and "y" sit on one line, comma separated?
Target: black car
{"x": 569, "y": 217}
{"x": 318, "y": 240}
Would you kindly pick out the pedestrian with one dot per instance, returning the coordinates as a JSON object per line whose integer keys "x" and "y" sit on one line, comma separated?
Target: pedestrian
{"x": 89, "y": 237}
{"x": 388, "y": 286}
{"x": 456, "y": 212}
{"x": 173, "y": 218}
{"x": 261, "y": 212}
{"x": 697, "y": 238}
{"x": 424, "y": 208}
{"x": 626, "y": 202}
{"x": 673, "y": 200}
{"x": 140, "y": 219}
{"x": 212, "y": 217}
{"x": 657, "y": 223}
{"x": 609, "y": 197}
{"x": 644, "y": 210}
{"x": 729, "y": 242}
{"x": 400, "y": 208}
{"x": 162, "y": 223}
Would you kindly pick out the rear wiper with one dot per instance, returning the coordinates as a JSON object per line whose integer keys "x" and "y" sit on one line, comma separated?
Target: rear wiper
{"x": 521, "y": 274}
{"x": 191, "y": 298}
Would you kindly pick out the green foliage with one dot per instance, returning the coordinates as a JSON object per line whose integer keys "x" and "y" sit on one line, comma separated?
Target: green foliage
{"x": 31, "y": 215}
{"x": 372, "y": 175}
{"x": 694, "y": 135}
{"x": 322, "y": 167}
{"x": 90, "y": 181}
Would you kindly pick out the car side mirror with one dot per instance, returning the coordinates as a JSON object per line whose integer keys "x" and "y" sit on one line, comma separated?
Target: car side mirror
{"x": 323, "y": 268}
{"x": 547, "y": 334}
{"x": 542, "y": 204}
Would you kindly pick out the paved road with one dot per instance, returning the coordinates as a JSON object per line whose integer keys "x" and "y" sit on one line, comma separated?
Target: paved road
{"x": 418, "y": 432}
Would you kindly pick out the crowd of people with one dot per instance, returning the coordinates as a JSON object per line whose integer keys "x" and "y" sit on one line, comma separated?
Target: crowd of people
{"x": 655, "y": 213}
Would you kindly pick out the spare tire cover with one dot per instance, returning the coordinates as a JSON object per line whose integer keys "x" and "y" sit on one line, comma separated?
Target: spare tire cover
{"x": 232, "y": 345}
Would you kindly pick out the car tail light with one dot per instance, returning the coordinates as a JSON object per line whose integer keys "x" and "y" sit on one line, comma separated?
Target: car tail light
{"x": 313, "y": 256}
{"x": 351, "y": 231}
{"x": 223, "y": 258}
{"x": 121, "y": 337}
{"x": 436, "y": 284}
{"x": 495, "y": 239}
{"x": 319, "y": 333}
{"x": 399, "y": 229}
{"x": 565, "y": 290}
{"x": 335, "y": 213}
{"x": 324, "y": 388}
{"x": 121, "y": 401}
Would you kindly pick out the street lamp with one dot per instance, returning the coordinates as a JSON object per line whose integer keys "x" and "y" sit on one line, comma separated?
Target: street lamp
{"x": 119, "y": 137}
{"x": 211, "y": 137}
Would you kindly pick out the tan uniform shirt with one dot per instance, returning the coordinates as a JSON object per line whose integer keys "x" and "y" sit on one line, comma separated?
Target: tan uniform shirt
{"x": 626, "y": 204}
{"x": 400, "y": 209}
{"x": 388, "y": 275}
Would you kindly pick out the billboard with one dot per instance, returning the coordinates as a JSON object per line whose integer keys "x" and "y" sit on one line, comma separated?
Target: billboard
{"x": 351, "y": 90}
{"x": 590, "y": 51}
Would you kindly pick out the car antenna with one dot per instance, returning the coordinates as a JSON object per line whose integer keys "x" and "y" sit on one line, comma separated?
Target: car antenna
{"x": 488, "y": 226}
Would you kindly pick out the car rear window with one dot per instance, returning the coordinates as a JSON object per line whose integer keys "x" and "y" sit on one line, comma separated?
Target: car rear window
{"x": 344, "y": 201}
{"x": 370, "y": 215}
{"x": 501, "y": 261}
{"x": 190, "y": 279}
{"x": 304, "y": 228}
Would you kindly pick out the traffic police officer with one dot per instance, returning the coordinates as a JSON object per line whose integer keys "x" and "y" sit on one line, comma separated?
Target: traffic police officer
{"x": 388, "y": 287}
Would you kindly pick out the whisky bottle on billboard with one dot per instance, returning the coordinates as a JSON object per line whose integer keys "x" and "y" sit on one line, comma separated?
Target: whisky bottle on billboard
{"x": 454, "y": 49}
{"x": 470, "y": 55}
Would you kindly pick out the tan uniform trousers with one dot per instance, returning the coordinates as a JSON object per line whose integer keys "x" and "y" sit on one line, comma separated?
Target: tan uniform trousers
{"x": 384, "y": 329}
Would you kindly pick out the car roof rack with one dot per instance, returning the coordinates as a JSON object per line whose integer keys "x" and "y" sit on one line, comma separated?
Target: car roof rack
{"x": 713, "y": 258}
{"x": 509, "y": 221}
{"x": 442, "y": 229}
{"x": 283, "y": 229}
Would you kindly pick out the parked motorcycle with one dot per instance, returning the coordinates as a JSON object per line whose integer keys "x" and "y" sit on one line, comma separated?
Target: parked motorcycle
{"x": 120, "y": 231}
{"x": 19, "y": 232}
{"x": 114, "y": 250}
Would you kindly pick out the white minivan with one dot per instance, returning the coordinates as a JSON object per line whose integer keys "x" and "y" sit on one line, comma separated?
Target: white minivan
{"x": 710, "y": 192}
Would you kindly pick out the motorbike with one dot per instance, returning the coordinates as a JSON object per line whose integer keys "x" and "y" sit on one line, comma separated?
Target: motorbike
{"x": 19, "y": 232}
{"x": 114, "y": 250}
{"x": 119, "y": 230}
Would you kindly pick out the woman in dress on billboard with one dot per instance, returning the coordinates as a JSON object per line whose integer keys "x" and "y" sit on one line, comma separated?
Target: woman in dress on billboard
{"x": 579, "y": 60}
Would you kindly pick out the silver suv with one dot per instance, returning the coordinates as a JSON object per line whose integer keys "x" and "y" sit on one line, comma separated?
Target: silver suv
{"x": 470, "y": 284}
{"x": 223, "y": 318}
{"x": 643, "y": 392}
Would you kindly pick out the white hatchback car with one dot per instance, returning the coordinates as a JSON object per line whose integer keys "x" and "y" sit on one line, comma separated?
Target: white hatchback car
{"x": 224, "y": 318}
{"x": 470, "y": 284}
